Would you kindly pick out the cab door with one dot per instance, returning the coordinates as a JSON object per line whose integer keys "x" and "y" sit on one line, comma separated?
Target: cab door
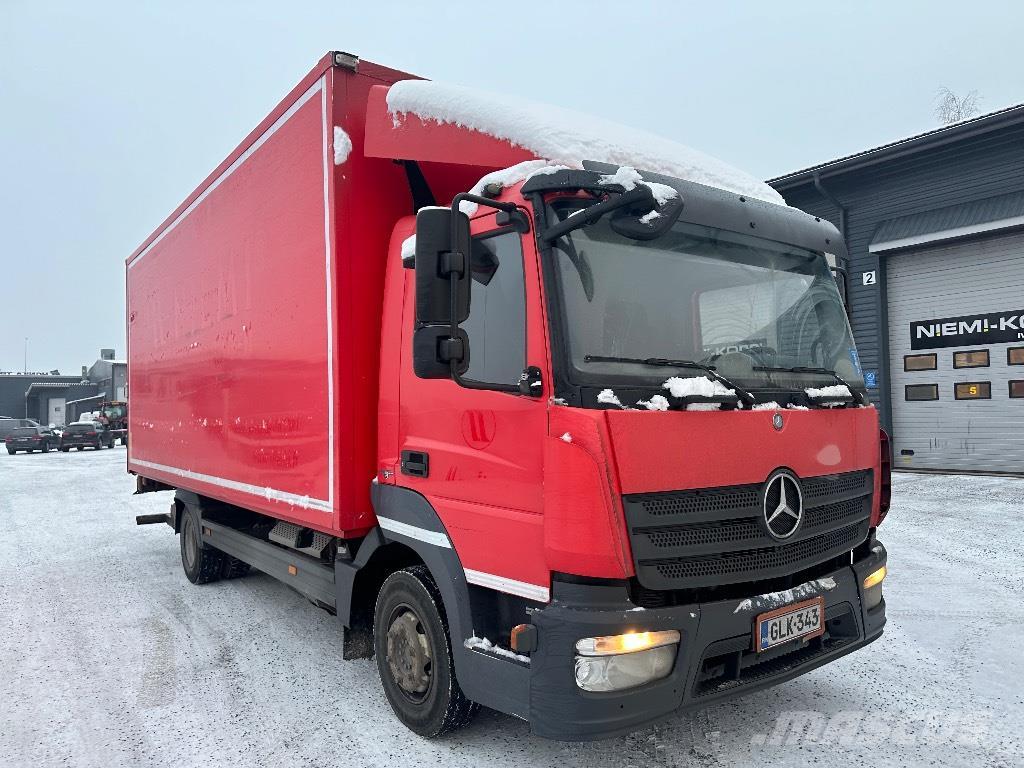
{"x": 479, "y": 452}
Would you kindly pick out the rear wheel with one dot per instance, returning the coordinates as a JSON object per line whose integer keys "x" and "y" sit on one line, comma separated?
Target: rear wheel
{"x": 64, "y": 449}
{"x": 202, "y": 563}
{"x": 79, "y": 447}
{"x": 414, "y": 655}
{"x": 11, "y": 451}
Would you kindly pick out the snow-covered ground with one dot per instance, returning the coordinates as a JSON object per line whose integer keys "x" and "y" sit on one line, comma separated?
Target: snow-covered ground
{"x": 110, "y": 657}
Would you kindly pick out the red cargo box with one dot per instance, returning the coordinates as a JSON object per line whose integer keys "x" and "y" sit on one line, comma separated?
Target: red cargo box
{"x": 254, "y": 315}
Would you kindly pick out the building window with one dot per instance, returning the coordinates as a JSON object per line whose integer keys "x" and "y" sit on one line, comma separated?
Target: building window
{"x": 973, "y": 390}
{"x": 920, "y": 362}
{"x": 1017, "y": 388}
{"x": 1015, "y": 356}
{"x": 921, "y": 392}
{"x": 977, "y": 358}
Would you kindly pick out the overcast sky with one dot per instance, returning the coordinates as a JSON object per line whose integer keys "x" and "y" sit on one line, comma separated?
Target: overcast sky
{"x": 111, "y": 114}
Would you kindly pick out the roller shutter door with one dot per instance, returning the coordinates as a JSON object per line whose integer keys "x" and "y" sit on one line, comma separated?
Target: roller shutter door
{"x": 963, "y": 303}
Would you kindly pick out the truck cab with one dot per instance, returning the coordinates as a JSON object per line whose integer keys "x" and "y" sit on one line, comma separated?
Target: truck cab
{"x": 643, "y": 431}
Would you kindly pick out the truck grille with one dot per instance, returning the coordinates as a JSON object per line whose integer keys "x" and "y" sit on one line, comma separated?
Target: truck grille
{"x": 716, "y": 536}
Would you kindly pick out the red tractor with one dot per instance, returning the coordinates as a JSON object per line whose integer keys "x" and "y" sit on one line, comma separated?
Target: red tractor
{"x": 114, "y": 413}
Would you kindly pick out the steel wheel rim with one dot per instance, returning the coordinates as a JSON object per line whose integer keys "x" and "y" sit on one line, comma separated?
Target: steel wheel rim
{"x": 191, "y": 546}
{"x": 409, "y": 654}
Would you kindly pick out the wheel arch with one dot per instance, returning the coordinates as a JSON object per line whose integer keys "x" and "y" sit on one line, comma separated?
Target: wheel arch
{"x": 411, "y": 532}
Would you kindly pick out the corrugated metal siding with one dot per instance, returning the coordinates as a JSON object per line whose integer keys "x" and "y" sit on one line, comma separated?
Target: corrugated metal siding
{"x": 961, "y": 172}
{"x": 976, "y": 277}
{"x": 989, "y": 209}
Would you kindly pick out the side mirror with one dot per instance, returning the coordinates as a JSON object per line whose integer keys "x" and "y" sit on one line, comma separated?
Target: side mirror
{"x": 434, "y": 348}
{"x": 442, "y": 266}
{"x": 647, "y": 220}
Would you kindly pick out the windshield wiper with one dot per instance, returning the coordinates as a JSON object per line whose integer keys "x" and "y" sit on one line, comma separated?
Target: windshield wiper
{"x": 858, "y": 396}
{"x": 662, "y": 362}
{"x": 640, "y": 196}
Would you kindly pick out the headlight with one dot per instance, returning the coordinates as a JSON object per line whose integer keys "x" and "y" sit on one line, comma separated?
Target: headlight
{"x": 617, "y": 662}
{"x": 616, "y": 673}
{"x": 631, "y": 642}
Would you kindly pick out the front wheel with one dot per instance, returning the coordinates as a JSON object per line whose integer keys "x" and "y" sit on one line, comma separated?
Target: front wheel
{"x": 64, "y": 449}
{"x": 414, "y": 655}
{"x": 11, "y": 451}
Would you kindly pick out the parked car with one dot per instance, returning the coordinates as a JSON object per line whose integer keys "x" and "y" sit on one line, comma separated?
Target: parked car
{"x": 30, "y": 439}
{"x": 9, "y": 424}
{"x": 86, "y": 434}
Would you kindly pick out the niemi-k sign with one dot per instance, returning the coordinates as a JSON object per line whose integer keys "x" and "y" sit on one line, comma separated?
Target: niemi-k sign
{"x": 968, "y": 330}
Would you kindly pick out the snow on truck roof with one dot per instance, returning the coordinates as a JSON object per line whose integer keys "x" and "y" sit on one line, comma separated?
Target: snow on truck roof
{"x": 566, "y": 137}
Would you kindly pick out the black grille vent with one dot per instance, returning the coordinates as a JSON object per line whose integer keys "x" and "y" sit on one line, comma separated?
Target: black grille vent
{"x": 829, "y": 486}
{"x": 752, "y": 563}
{"x": 698, "y": 535}
{"x": 695, "y": 502}
{"x": 831, "y": 515}
{"x": 717, "y": 536}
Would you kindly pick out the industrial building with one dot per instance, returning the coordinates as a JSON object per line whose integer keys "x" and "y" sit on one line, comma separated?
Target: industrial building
{"x": 934, "y": 225}
{"x": 51, "y": 398}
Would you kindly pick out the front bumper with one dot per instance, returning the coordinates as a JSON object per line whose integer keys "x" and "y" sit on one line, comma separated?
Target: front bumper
{"x": 715, "y": 660}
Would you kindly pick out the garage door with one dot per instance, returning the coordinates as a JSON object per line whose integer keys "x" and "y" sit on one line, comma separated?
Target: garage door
{"x": 956, "y": 341}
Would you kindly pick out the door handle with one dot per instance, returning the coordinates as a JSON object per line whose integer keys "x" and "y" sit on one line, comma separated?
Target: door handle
{"x": 415, "y": 463}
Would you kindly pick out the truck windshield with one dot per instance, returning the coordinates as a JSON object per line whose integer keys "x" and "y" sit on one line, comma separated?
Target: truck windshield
{"x": 751, "y": 308}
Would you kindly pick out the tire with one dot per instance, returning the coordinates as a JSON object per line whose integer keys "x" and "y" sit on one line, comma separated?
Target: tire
{"x": 233, "y": 568}
{"x": 11, "y": 451}
{"x": 79, "y": 447}
{"x": 414, "y": 655}
{"x": 45, "y": 448}
{"x": 64, "y": 449}
{"x": 201, "y": 562}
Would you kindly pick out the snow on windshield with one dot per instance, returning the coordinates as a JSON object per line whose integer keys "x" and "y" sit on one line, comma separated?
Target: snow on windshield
{"x": 567, "y": 137}
{"x": 696, "y": 386}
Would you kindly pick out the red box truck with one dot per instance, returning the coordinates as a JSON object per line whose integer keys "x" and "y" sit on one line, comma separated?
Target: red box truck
{"x": 558, "y": 418}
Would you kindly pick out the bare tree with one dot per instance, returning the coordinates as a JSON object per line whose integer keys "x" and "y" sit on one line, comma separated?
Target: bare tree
{"x": 950, "y": 108}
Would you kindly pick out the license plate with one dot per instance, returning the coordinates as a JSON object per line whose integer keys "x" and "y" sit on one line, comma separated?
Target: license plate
{"x": 776, "y": 627}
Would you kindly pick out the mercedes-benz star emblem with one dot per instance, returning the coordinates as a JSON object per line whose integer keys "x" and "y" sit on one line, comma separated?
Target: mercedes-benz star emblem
{"x": 783, "y": 505}
{"x": 777, "y": 421}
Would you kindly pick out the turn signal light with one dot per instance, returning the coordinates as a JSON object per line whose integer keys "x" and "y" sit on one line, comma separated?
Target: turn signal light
{"x": 631, "y": 642}
{"x": 874, "y": 578}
